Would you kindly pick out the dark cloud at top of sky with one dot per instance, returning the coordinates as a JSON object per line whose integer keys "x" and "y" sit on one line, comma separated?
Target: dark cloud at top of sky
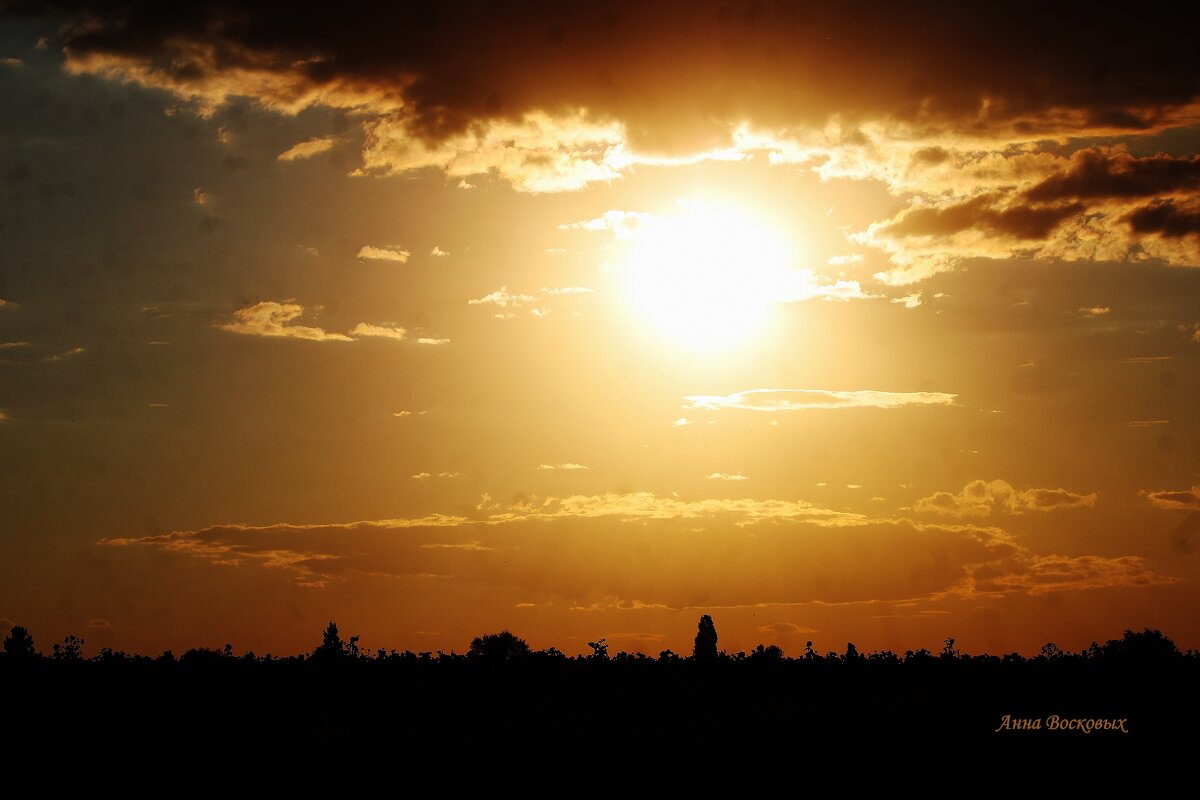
{"x": 678, "y": 74}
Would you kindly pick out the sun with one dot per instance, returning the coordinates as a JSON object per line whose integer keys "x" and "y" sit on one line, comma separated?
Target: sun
{"x": 706, "y": 277}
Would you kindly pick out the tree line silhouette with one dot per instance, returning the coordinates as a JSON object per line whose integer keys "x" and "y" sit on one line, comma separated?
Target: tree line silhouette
{"x": 474, "y": 715}
{"x": 1148, "y": 647}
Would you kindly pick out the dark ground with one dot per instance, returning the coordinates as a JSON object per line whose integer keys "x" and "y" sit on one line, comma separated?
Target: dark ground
{"x": 539, "y": 722}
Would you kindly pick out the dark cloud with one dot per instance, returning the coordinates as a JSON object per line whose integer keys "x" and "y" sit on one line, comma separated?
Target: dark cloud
{"x": 1097, "y": 174}
{"x": 679, "y": 74}
{"x": 1018, "y": 222}
{"x": 1165, "y": 218}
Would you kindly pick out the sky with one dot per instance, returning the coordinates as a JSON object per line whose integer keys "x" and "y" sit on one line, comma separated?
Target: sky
{"x": 875, "y": 325}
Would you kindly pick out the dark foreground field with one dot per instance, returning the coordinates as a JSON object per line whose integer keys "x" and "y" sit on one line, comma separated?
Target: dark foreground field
{"x": 517, "y": 721}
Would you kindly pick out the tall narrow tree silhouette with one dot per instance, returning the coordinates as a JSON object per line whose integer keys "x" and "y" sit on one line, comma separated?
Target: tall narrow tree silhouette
{"x": 706, "y": 640}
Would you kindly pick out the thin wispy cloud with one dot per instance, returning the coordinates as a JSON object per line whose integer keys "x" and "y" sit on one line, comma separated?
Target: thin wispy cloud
{"x": 308, "y": 148}
{"x": 785, "y": 400}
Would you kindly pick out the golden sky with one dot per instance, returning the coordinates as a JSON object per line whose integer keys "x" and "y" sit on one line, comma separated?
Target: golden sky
{"x": 877, "y": 325}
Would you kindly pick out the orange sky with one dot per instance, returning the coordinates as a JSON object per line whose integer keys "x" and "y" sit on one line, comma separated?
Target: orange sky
{"x": 586, "y": 320}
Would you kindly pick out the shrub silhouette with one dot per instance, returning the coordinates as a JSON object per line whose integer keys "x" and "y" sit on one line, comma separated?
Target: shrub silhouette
{"x": 705, "y": 648}
{"x": 502, "y": 646}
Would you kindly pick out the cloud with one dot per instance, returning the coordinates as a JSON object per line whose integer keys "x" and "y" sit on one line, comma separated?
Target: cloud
{"x": 1056, "y": 573}
{"x": 427, "y": 340}
{"x": 1182, "y": 500}
{"x": 566, "y": 290}
{"x": 468, "y": 545}
{"x": 1029, "y": 202}
{"x": 272, "y": 319}
{"x": 1095, "y": 311}
{"x": 567, "y": 466}
{"x": 1007, "y": 152}
{"x": 722, "y": 476}
{"x": 681, "y": 422}
{"x": 1097, "y": 173}
{"x": 513, "y": 302}
{"x": 781, "y": 400}
{"x": 308, "y": 149}
{"x": 1165, "y": 218}
{"x": 1147, "y": 423}
{"x": 535, "y": 153}
{"x": 981, "y": 498}
{"x": 784, "y": 629}
{"x": 674, "y": 77}
{"x": 13, "y": 63}
{"x": 1016, "y": 222}
{"x": 74, "y": 351}
{"x": 909, "y": 301}
{"x": 381, "y": 331}
{"x": 570, "y": 550}
{"x": 503, "y": 298}
{"x": 798, "y": 285}
{"x": 625, "y": 224}
{"x": 438, "y": 252}
{"x": 647, "y": 505}
{"x": 389, "y": 253}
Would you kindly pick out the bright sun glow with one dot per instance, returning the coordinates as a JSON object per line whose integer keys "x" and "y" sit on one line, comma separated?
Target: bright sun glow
{"x": 706, "y": 277}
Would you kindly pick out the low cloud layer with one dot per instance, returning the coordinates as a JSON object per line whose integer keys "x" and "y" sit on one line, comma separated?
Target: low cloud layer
{"x": 664, "y": 553}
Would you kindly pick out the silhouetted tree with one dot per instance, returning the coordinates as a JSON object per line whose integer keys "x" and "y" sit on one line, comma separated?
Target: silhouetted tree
{"x": 502, "y": 646}
{"x": 70, "y": 650}
{"x": 599, "y": 650}
{"x": 851, "y": 651}
{"x": 18, "y": 643}
{"x": 1147, "y": 646}
{"x": 767, "y": 653}
{"x": 705, "y": 648}
{"x": 332, "y": 646}
{"x": 1051, "y": 652}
